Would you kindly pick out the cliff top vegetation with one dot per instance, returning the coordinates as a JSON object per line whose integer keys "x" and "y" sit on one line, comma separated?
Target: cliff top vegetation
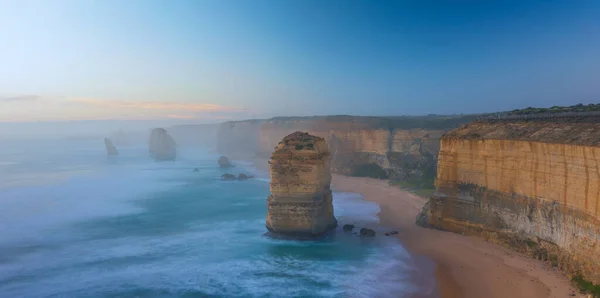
{"x": 586, "y": 134}
{"x": 578, "y": 108}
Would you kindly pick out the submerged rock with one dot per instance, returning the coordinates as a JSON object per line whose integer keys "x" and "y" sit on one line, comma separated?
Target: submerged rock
{"x": 161, "y": 145}
{"x": 224, "y": 162}
{"x": 239, "y": 177}
{"x": 228, "y": 177}
{"x": 300, "y": 202}
{"x": 110, "y": 148}
{"x": 367, "y": 232}
{"x": 243, "y": 176}
{"x": 348, "y": 228}
{"x": 391, "y": 233}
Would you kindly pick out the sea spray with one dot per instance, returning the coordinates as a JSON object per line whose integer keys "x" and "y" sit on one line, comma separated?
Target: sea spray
{"x": 132, "y": 227}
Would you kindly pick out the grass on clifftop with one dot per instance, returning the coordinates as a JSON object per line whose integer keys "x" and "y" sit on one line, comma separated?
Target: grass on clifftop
{"x": 587, "y": 287}
{"x": 578, "y": 108}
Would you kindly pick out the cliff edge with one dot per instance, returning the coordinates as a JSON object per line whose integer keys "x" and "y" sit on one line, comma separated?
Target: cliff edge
{"x": 402, "y": 148}
{"x": 300, "y": 202}
{"x": 533, "y": 186}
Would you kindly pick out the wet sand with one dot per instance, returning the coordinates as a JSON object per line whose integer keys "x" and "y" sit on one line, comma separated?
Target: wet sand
{"x": 466, "y": 266}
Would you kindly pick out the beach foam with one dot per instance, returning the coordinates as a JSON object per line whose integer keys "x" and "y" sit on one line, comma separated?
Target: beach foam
{"x": 132, "y": 227}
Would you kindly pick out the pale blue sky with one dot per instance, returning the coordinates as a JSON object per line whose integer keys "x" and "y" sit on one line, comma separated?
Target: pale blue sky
{"x": 215, "y": 60}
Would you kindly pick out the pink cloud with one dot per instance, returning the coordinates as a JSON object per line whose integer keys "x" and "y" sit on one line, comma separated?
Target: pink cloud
{"x": 165, "y": 106}
{"x": 180, "y": 116}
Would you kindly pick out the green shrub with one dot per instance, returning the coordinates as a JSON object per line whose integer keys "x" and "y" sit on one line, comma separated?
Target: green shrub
{"x": 587, "y": 286}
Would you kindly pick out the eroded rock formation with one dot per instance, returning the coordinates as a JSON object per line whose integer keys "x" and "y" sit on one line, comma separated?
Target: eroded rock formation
{"x": 161, "y": 145}
{"x": 228, "y": 177}
{"x": 300, "y": 202}
{"x": 531, "y": 186}
{"x": 110, "y": 148}
{"x": 240, "y": 177}
{"x": 402, "y": 148}
{"x": 224, "y": 162}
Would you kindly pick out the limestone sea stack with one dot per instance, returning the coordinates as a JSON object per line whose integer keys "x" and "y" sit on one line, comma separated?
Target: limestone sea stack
{"x": 224, "y": 162}
{"x": 110, "y": 148}
{"x": 300, "y": 202}
{"x": 161, "y": 145}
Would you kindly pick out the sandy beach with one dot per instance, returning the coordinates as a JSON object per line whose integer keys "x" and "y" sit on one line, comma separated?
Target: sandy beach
{"x": 466, "y": 266}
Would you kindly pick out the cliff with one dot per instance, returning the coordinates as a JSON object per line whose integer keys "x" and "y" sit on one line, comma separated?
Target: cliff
{"x": 403, "y": 148}
{"x": 161, "y": 145}
{"x": 300, "y": 201}
{"x": 533, "y": 186}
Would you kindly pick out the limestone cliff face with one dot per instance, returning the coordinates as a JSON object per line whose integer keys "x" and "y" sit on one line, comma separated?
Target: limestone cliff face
{"x": 404, "y": 146}
{"x": 161, "y": 145}
{"x": 513, "y": 183}
{"x": 300, "y": 200}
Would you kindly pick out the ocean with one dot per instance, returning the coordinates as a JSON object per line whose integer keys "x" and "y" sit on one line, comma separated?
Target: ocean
{"x": 76, "y": 223}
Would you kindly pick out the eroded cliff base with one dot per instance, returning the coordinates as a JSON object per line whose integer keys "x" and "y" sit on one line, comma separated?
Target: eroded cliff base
{"x": 565, "y": 237}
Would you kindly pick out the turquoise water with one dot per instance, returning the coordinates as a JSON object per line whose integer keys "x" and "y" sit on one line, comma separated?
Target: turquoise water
{"x": 74, "y": 223}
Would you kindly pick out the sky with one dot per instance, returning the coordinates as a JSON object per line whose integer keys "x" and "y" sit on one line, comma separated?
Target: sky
{"x": 216, "y": 60}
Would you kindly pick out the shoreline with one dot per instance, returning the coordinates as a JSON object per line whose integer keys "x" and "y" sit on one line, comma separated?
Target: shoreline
{"x": 466, "y": 267}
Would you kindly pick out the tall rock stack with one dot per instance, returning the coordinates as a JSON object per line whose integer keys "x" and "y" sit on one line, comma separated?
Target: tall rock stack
{"x": 300, "y": 202}
{"x": 161, "y": 145}
{"x": 110, "y": 148}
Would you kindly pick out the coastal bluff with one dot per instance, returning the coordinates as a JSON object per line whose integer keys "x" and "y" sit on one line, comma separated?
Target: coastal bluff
{"x": 161, "y": 145}
{"x": 404, "y": 148}
{"x": 301, "y": 201}
{"x": 533, "y": 186}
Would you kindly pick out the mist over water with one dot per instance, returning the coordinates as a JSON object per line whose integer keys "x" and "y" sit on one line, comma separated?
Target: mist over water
{"x": 75, "y": 223}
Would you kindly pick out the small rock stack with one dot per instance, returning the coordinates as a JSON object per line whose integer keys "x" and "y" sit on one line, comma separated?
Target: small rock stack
{"x": 300, "y": 202}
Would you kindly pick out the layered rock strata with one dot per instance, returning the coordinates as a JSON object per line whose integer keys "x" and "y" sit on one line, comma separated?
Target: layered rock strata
{"x": 161, "y": 145}
{"x": 301, "y": 201}
{"x": 404, "y": 147}
{"x": 532, "y": 186}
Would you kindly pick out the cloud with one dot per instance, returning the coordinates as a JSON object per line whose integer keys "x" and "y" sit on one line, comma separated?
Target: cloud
{"x": 173, "y": 116}
{"x": 57, "y": 108}
{"x": 164, "y": 106}
{"x": 19, "y": 98}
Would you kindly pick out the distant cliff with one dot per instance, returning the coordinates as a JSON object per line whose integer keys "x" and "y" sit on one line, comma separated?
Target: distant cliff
{"x": 533, "y": 186}
{"x": 400, "y": 148}
{"x": 198, "y": 135}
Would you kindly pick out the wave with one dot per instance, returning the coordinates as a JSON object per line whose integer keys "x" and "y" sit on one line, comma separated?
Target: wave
{"x": 134, "y": 227}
